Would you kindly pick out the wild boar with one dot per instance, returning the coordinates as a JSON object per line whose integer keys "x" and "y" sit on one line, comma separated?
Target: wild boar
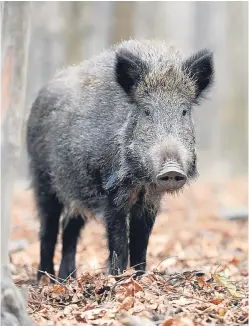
{"x": 108, "y": 138}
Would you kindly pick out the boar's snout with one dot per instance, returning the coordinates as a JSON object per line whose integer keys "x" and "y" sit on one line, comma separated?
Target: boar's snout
{"x": 171, "y": 177}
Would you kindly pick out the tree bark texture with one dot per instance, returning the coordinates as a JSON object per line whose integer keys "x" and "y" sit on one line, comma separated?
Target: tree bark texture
{"x": 15, "y": 41}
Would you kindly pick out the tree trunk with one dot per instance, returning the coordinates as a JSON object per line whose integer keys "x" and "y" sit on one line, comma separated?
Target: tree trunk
{"x": 15, "y": 40}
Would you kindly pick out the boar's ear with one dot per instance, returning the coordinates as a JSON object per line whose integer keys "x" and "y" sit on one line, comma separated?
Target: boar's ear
{"x": 200, "y": 67}
{"x": 129, "y": 70}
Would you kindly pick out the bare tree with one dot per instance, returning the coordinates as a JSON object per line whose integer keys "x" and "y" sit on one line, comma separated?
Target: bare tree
{"x": 236, "y": 144}
{"x": 15, "y": 40}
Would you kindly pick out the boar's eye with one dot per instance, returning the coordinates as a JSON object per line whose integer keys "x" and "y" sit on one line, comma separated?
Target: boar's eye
{"x": 184, "y": 112}
{"x": 147, "y": 112}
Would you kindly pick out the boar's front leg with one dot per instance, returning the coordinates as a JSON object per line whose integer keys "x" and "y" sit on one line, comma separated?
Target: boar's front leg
{"x": 116, "y": 229}
{"x": 71, "y": 232}
{"x": 142, "y": 218}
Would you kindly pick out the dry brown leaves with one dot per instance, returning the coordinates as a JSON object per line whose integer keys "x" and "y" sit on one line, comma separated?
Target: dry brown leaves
{"x": 189, "y": 298}
{"x": 197, "y": 269}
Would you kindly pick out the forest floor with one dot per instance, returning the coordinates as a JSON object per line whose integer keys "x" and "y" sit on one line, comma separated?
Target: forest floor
{"x": 197, "y": 266}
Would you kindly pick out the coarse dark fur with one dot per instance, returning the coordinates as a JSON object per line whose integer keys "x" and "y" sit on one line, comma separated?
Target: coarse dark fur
{"x": 98, "y": 135}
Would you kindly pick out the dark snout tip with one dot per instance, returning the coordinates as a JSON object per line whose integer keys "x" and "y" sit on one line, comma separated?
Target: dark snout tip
{"x": 172, "y": 179}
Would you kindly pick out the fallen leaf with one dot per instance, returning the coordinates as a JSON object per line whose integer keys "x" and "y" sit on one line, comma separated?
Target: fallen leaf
{"x": 222, "y": 311}
{"x": 58, "y": 289}
{"x": 216, "y": 301}
{"x": 178, "y": 322}
{"x": 234, "y": 261}
{"x": 231, "y": 288}
{"x": 137, "y": 286}
{"x": 127, "y": 303}
{"x": 200, "y": 281}
{"x": 168, "y": 322}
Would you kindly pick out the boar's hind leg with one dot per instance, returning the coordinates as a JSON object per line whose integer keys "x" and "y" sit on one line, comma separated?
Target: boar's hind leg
{"x": 71, "y": 233}
{"x": 142, "y": 219}
{"x": 49, "y": 209}
{"x": 116, "y": 229}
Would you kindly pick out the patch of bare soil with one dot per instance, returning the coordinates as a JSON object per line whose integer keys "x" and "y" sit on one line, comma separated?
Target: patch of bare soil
{"x": 197, "y": 266}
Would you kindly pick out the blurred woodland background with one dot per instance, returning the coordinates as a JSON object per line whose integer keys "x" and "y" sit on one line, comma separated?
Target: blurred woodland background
{"x": 203, "y": 228}
{"x": 65, "y": 33}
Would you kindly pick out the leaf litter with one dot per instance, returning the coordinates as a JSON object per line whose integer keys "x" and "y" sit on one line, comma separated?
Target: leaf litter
{"x": 197, "y": 268}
